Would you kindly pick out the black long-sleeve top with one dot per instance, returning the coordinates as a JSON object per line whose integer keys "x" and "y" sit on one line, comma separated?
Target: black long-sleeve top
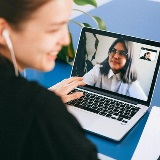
{"x": 35, "y": 124}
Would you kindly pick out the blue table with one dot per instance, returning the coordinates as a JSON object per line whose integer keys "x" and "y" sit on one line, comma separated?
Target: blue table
{"x": 140, "y": 18}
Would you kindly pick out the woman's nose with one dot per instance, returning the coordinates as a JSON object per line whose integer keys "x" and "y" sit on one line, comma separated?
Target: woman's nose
{"x": 116, "y": 55}
{"x": 66, "y": 37}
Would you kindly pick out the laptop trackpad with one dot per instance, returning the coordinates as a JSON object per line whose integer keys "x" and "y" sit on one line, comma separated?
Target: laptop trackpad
{"x": 85, "y": 118}
{"x": 98, "y": 124}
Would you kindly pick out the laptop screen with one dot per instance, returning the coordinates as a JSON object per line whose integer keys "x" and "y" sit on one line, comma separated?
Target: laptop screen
{"x": 116, "y": 63}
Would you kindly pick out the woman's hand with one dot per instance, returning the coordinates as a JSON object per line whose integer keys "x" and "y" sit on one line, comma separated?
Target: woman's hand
{"x": 64, "y": 87}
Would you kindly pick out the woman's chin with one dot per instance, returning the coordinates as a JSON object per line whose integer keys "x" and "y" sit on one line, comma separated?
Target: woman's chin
{"x": 47, "y": 67}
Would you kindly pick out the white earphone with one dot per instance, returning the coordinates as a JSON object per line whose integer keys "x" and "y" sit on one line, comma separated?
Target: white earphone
{"x": 5, "y": 34}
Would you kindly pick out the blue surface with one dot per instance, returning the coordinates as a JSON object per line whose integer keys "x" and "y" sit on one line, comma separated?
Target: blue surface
{"x": 140, "y": 18}
{"x": 61, "y": 71}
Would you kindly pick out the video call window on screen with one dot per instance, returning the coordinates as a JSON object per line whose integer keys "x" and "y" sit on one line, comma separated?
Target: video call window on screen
{"x": 148, "y": 54}
{"x": 96, "y": 50}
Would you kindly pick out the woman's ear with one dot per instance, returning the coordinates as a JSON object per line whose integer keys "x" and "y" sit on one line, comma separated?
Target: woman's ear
{"x": 3, "y": 26}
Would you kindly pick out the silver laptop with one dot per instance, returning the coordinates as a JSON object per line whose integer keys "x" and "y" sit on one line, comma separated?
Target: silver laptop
{"x": 120, "y": 73}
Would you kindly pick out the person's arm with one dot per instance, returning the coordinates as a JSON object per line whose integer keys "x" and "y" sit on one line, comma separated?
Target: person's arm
{"x": 91, "y": 77}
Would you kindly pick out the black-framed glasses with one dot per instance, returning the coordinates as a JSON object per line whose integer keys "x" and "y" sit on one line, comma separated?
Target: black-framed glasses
{"x": 120, "y": 52}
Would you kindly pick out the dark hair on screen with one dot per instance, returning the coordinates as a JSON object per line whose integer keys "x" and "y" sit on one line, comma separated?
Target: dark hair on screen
{"x": 147, "y": 53}
{"x": 128, "y": 72}
{"x": 17, "y": 11}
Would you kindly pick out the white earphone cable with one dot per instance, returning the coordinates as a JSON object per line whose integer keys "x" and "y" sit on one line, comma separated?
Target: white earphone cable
{"x": 10, "y": 46}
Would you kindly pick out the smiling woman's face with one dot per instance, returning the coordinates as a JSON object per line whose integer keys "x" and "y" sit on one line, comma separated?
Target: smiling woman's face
{"x": 41, "y": 37}
{"x": 117, "y": 61}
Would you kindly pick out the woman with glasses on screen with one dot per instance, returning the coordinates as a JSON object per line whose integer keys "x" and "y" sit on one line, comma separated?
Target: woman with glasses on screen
{"x": 117, "y": 72}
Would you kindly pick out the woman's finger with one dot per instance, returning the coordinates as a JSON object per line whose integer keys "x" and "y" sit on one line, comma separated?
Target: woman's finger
{"x": 72, "y": 96}
{"x": 72, "y": 79}
{"x": 73, "y": 85}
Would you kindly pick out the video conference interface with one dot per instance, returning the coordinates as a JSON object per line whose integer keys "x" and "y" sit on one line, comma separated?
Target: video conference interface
{"x": 94, "y": 49}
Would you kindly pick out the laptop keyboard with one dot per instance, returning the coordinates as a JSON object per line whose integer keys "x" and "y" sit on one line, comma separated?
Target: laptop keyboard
{"x": 105, "y": 106}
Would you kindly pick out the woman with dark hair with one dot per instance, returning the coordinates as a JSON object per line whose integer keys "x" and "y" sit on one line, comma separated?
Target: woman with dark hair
{"x": 146, "y": 56}
{"x": 117, "y": 72}
{"x": 34, "y": 122}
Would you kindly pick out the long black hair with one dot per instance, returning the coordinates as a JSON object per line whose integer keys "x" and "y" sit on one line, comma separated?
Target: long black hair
{"x": 128, "y": 72}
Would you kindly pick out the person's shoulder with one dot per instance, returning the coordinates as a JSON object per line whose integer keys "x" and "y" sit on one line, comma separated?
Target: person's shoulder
{"x": 29, "y": 87}
{"x": 97, "y": 67}
{"x": 142, "y": 57}
{"x": 44, "y": 101}
{"x": 41, "y": 93}
{"x": 35, "y": 94}
{"x": 134, "y": 83}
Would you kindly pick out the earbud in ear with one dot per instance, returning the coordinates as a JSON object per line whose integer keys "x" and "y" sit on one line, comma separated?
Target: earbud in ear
{"x": 5, "y": 34}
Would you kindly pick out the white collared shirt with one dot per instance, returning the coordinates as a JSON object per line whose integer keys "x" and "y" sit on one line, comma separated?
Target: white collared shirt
{"x": 113, "y": 82}
{"x": 114, "y": 79}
